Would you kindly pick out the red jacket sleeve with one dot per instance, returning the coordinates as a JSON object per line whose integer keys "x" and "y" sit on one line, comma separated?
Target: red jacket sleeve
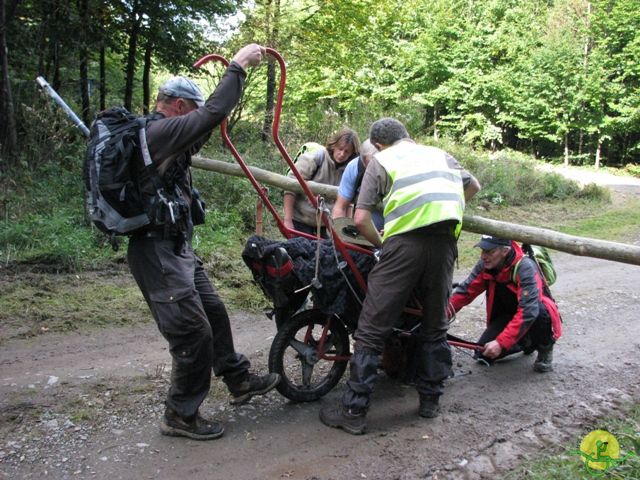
{"x": 470, "y": 288}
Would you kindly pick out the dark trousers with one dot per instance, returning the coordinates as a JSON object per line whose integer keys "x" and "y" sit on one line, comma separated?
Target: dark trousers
{"x": 191, "y": 317}
{"x": 538, "y": 334}
{"x": 303, "y": 227}
{"x": 419, "y": 262}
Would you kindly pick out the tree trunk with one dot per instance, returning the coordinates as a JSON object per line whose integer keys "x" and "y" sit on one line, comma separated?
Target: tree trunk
{"x": 134, "y": 31}
{"x": 270, "y": 100}
{"x": 42, "y": 44}
{"x": 146, "y": 76}
{"x": 582, "y": 246}
{"x": 103, "y": 81}
{"x": 55, "y": 57}
{"x": 435, "y": 123}
{"x": 598, "y": 153}
{"x": 566, "y": 149}
{"x": 272, "y": 14}
{"x": 83, "y": 11}
{"x": 8, "y": 129}
{"x": 580, "y": 141}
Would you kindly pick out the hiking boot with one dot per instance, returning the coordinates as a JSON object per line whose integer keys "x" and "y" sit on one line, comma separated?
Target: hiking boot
{"x": 544, "y": 359}
{"x": 350, "y": 420}
{"x": 196, "y": 428}
{"x": 252, "y": 385}
{"x": 429, "y": 407}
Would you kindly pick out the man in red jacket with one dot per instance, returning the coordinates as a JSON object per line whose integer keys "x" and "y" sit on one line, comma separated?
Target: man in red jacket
{"x": 521, "y": 315}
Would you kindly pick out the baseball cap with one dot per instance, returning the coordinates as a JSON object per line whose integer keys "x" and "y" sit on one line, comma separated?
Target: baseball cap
{"x": 488, "y": 242}
{"x": 182, "y": 87}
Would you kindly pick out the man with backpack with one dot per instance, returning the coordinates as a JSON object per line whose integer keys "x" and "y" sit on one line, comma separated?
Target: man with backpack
{"x": 521, "y": 314}
{"x": 185, "y": 305}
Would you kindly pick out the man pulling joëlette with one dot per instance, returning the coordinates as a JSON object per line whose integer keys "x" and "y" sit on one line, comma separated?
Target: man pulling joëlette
{"x": 185, "y": 305}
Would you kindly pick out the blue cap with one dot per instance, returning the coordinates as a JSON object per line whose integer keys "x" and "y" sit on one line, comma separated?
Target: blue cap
{"x": 182, "y": 87}
{"x": 488, "y": 242}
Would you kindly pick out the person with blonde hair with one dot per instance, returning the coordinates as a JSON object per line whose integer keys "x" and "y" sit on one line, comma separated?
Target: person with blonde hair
{"x": 324, "y": 165}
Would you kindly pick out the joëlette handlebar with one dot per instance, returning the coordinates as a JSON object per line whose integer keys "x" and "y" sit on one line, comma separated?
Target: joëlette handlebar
{"x": 341, "y": 246}
{"x": 287, "y": 232}
{"x": 225, "y": 137}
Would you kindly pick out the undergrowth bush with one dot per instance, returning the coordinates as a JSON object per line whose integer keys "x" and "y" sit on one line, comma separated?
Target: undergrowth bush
{"x": 509, "y": 178}
{"x": 632, "y": 169}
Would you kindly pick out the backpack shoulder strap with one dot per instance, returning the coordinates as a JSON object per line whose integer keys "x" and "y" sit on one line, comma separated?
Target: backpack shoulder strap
{"x": 318, "y": 158}
{"x": 514, "y": 270}
{"x": 360, "y": 175}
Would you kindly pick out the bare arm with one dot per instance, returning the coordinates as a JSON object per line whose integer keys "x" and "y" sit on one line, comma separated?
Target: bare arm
{"x": 471, "y": 189}
{"x": 366, "y": 227}
{"x": 341, "y": 207}
{"x": 288, "y": 203}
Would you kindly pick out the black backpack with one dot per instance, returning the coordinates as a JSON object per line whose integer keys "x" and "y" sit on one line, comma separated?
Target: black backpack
{"x": 116, "y": 205}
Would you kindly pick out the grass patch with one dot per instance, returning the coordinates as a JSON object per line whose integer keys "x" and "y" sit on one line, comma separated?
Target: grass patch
{"x": 34, "y": 303}
{"x": 583, "y": 217}
{"x": 569, "y": 464}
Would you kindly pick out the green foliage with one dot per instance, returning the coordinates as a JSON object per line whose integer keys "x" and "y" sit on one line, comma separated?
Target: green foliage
{"x": 632, "y": 169}
{"x": 531, "y": 76}
{"x": 509, "y": 178}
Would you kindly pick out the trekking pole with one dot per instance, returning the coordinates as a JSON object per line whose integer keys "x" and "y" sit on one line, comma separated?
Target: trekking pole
{"x": 62, "y": 104}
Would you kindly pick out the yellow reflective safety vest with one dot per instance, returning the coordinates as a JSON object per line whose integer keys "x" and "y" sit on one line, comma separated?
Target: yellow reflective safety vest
{"x": 425, "y": 189}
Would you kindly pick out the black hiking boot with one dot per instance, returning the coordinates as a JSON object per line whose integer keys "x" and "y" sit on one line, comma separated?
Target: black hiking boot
{"x": 196, "y": 428}
{"x": 429, "y": 406}
{"x": 527, "y": 345}
{"x": 544, "y": 360}
{"x": 338, "y": 416}
{"x": 252, "y": 385}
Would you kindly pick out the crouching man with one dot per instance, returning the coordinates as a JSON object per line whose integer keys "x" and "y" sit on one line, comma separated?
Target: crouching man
{"x": 521, "y": 314}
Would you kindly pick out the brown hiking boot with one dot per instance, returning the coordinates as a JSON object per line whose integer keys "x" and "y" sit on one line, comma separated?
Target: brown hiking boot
{"x": 544, "y": 360}
{"x": 347, "y": 419}
{"x": 196, "y": 428}
{"x": 429, "y": 406}
{"x": 252, "y": 385}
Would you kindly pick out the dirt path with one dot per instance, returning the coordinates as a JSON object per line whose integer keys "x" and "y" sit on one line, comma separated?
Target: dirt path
{"x": 87, "y": 406}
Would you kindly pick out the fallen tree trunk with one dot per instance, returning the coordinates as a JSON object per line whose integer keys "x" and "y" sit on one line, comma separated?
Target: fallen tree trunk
{"x": 582, "y": 246}
{"x": 265, "y": 176}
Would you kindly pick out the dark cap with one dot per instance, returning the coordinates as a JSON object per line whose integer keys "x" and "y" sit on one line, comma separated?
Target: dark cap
{"x": 182, "y": 87}
{"x": 487, "y": 242}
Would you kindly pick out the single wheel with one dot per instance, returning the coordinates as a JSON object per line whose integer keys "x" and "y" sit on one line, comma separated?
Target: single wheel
{"x": 294, "y": 355}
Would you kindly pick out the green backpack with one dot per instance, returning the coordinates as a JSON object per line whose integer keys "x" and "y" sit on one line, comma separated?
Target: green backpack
{"x": 541, "y": 256}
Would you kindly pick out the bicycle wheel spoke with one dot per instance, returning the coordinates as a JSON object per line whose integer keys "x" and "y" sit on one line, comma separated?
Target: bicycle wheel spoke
{"x": 307, "y": 372}
{"x": 300, "y": 347}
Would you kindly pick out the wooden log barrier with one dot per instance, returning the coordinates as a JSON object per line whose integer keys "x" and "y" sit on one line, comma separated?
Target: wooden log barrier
{"x": 581, "y": 246}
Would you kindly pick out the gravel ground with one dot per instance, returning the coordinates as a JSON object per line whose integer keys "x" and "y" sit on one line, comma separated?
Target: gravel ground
{"x": 87, "y": 405}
